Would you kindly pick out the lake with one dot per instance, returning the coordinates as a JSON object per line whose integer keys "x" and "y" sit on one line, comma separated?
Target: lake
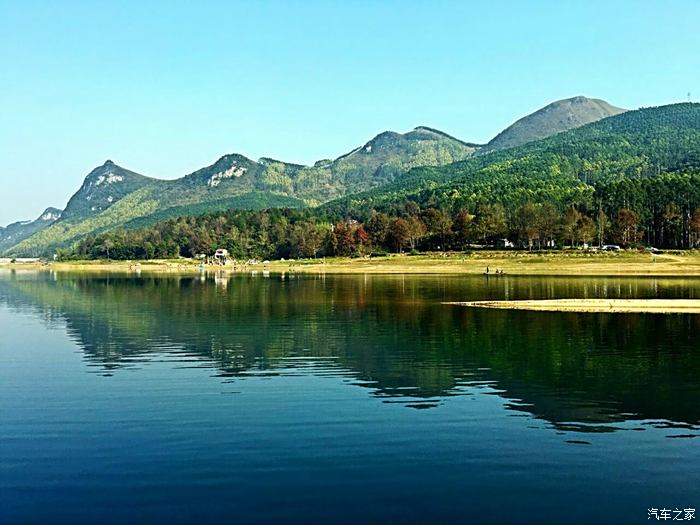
{"x": 342, "y": 399}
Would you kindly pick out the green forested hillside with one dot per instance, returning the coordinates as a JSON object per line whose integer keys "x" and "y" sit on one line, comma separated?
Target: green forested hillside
{"x": 103, "y": 186}
{"x": 581, "y": 167}
{"x": 554, "y": 118}
{"x": 18, "y": 231}
{"x": 112, "y": 196}
{"x": 631, "y": 179}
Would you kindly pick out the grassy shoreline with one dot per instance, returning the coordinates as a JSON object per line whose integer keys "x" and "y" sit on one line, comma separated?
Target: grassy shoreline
{"x": 511, "y": 263}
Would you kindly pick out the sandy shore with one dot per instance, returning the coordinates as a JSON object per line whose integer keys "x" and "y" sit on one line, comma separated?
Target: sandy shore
{"x": 684, "y": 264}
{"x": 658, "y": 306}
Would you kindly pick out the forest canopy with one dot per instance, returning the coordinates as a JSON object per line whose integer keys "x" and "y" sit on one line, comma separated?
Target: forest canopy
{"x": 632, "y": 179}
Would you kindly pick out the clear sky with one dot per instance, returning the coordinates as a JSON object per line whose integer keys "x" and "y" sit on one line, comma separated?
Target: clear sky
{"x": 164, "y": 88}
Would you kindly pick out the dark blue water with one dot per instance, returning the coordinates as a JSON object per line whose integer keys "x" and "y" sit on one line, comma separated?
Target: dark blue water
{"x": 136, "y": 399}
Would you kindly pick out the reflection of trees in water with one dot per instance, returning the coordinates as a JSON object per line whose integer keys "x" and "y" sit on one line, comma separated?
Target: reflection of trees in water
{"x": 392, "y": 335}
{"x": 595, "y": 367}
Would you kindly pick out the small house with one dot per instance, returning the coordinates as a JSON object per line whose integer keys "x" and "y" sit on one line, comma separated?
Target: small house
{"x": 221, "y": 256}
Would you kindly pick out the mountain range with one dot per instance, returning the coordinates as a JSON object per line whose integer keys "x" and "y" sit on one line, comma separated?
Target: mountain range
{"x": 645, "y": 160}
{"x": 113, "y": 197}
{"x": 554, "y": 118}
{"x": 18, "y": 231}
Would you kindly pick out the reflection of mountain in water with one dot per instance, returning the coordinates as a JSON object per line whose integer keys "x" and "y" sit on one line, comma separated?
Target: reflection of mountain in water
{"x": 392, "y": 335}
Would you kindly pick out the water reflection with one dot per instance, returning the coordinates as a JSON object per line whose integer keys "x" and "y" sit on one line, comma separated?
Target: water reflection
{"x": 393, "y": 337}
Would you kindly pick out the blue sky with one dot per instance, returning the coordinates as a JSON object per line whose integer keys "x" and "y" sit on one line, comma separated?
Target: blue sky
{"x": 164, "y": 88}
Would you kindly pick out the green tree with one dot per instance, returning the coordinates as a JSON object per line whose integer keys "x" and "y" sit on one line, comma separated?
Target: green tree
{"x": 463, "y": 227}
{"x": 586, "y": 230}
{"x": 671, "y": 230}
{"x": 570, "y": 224}
{"x": 694, "y": 227}
{"x": 107, "y": 245}
{"x": 602, "y": 224}
{"x": 306, "y": 240}
{"x": 378, "y": 228}
{"x": 416, "y": 231}
{"x": 439, "y": 226}
{"x": 490, "y": 222}
{"x": 527, "y": 222}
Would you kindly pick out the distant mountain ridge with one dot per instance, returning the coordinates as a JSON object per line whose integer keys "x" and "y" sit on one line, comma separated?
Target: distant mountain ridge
{"x": 114, "y": 197}
{"x": 559, "y": 116}
{"x": 111, "y": 196}
{"x": 630, "y": 149}
{"x": 103, "y": 186}
{"x": 18, "y": 231}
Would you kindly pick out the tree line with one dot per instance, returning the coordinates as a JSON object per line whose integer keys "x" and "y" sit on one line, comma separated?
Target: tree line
{"x": 294, "y": 233}
{"x": 631, "y": 179}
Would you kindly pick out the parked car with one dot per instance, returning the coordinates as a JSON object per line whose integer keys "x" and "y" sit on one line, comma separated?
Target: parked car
{"x": 611, "y": 248}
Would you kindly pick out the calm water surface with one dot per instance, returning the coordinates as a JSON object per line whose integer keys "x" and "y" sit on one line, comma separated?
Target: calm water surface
{"x": 348, "y": 399}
